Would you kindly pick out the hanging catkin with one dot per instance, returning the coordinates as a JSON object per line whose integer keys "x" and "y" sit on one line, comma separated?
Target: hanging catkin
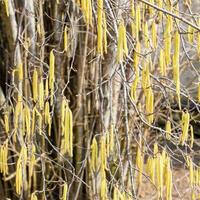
{"x": 176, "y": 73}
{"x": 94, "y": 155}
{"x": 122, "y": 48}
{"x": 185, "y": 127}
{"x": 35, "y": 85}
{"x": 100, "y": 27}
{"x": 65, "y": 39}
{"x": 51, "y": 74}
{"x": 6, "y": 7}
{"x": 65, "y": 190}
{"x": 168, "y": 130}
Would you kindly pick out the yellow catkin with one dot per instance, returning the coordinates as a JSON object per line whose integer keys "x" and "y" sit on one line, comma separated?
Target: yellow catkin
{"x": 104, "y": 33}
{"x": 103, "y": 152}
{"x": 154, "y": 34}
{"x": 33, "y": 196}
{"x": 51, "y": 74}
{"x": 4, "y": 158}
{"x": 151, "y": 10}
{"x": 100, "y": 27}
{"x": 133, "y": 16}
{"x": 122, "y": 43}
{"x": 159, "y": 172}
{"x": 65, "y": 190}
{"x": 168, "y": 130}
{"x": 160, "y": 14}
{"x": 6, "y": 122}
{"x": 139, "y": 164}
{"x": 33, "y": 121}
{"x": 6, "y": 7}
{"x": 136, "y": 28}
{"x": 35, "y": 85}
{"x": 41, "y": 94}
{"x": 94, "y": 155}
{"x": 162, "y": 63}
{"x": 27, "y": 120}
{"x": 155, "y": 149}
{"x": 191, "y": 172}
{"x": 46, "y": 112}
{"x": 192, "y": 136}
{"x": 32, "y": 160}
{"x": 46, "y": 88}
{"x": 198, "y": 93}
{"x": 150, "y": 168}
{"x": 88, "y": 12}
{"x": 176, "y": 73}
{"x": 68, "y": 135}
{"x": 65, "y": 39}
{"x": 136, "y": 60}
{"x": 198, "y": 40}
{"x": 21, "y": 163}
{"x": 111, "y": 139}
{"x": 185, "y": 127}
{"x": 146, "y": 34}
{"x": 150, "y": 105}
{"x": 167, "y": 41}
{"x": 145, "y": 78}
{"x": 20, "y": 71}
{"x": 103, "y": 189}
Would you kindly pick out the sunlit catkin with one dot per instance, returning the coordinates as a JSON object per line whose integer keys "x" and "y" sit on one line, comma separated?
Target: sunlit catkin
{"x": 136, "y": 59}
{"x": 198, "y": 93}
{"x": 154, "y": 34}
{"x": 104, "y": 33}
{"x": 167, "y": 41}
{"x": 35, "y": 85}
{"x": 136, "y": 28}
{"x": 21, "y": 163}
{"x": 162, "y": 63}
{"x": 122, "y": 43}
{"x": 41, "y": 94}
{"x": 103, "y": 153}
{"x": 94, "y": 155}
{"x": 4, "y": 158}
{"x": 198, "y": 39}
{"x": 100, "y": 27}
{"x": 65, "y": 39}
{"x": 20, "y": 71}
{"x": 103, "y": 189}
{"x": 111, "y": 139}
{"x": 191, "y": 136}
{"x": 159, "y": 173}
{"x": 150, "y": 105}
{"x": 160, "y": 5}
{"x": 185, "y": 127}
{"x": 146, "y": 35}
{"x": 6, "y": 122}
{"x": 51, "y": 74}
{"x": 176, "y": 73}
{"x": 150, "y": 168}
{"x": 191, "y": 172}
{"x": 139, "y": 165}
{"x": 168, "y": 130}
{"x": 65, "y": 190}
{"x": 27, "y": 120}
{"x": 33, "y": 196}
{"x": 68, "y": 131}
